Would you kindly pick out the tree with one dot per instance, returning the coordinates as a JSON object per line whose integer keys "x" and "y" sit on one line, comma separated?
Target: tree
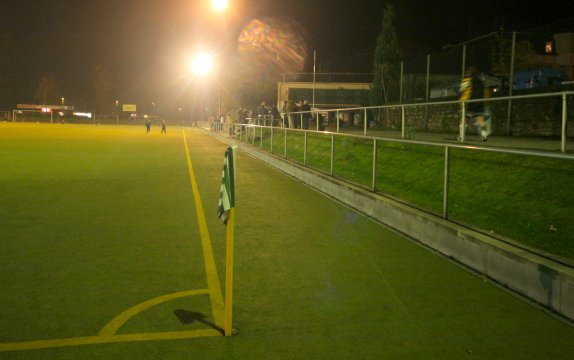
{"x": 386, "y": 63}
{"x": 102, "y": 84}
{"x": 47, "y": 91}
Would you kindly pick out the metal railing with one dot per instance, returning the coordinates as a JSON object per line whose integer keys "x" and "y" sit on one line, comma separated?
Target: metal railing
{"x": 249, "y": 134}
{"x": 324, "y": 151}
{"x": 278, "y": 140}
{"x": 318, "y": 116}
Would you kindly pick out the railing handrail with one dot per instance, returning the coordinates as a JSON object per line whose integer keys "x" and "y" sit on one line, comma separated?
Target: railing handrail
{"x": 448, "y": 102}
{"x": 253, "y": 131}
{"x": 430, "y": 143}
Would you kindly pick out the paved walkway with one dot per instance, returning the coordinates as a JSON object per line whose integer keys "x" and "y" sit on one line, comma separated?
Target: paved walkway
{"x": 531, "y": 143}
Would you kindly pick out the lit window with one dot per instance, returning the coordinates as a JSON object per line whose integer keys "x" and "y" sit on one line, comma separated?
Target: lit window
{"x": 549, "y": 49}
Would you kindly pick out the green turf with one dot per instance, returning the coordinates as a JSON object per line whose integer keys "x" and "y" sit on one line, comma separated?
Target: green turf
{"x": 97, "y": 219}
{"x": 523, "y": 198}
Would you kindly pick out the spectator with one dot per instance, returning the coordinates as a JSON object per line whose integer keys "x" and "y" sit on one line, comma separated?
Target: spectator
{"x": 285, "y": 116}
{"x": 239, "y": 115}
{"x": 291, "y": 108}
{"x": 306, "y": 116}
{"x": 275, "y": 113}
{"x": 262, "y": 110}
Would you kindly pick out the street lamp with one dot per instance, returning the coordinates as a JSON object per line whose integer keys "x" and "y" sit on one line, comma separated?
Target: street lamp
{"x": 62, "y": 101}
{"x": 117, "y": 112}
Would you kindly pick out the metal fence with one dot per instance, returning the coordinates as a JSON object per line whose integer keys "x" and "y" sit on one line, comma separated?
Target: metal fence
{"x": 256, "y": 135}
{"x": 546, "y": 114}
{"x": 366, "y": 160}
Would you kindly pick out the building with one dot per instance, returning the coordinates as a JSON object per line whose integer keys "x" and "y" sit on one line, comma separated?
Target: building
{"x": 329, "y": 90}
{"x": 559, "y": 54}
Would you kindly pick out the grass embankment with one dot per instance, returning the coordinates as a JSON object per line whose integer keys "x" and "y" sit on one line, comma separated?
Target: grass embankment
{"x": 527, "y": 199}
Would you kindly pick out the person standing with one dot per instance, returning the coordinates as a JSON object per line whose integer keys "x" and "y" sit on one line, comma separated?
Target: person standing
{"x": 471, "y": 88}
{"x": 262, "y": 110}
{"x": 163, "y": 130}
{"x": 239, "y": 115}
{"x": 147, "y": 124}
{"x": 484, "y": 122}
{"x": 305, "y": 107}
{"x": 275, "y": 114}
{"x": 291, "y": 108}
{"x": 285, "y": 116}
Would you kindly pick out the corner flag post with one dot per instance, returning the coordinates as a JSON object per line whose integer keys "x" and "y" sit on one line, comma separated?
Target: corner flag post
{"x": 229, "y": 274}
{"x": 226, "y": 212}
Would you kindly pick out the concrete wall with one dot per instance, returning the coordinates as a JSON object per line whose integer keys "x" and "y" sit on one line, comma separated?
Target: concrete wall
{"x": 544, "y": 281}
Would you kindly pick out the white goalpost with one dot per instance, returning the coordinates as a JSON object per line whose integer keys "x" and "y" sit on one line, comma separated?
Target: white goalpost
{"x": 37, "y": 116}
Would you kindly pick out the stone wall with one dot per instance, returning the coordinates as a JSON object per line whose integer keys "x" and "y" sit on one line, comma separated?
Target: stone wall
{"x": 530, "y": 117}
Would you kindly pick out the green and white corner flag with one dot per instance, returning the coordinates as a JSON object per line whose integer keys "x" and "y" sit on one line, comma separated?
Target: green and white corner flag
{"x": 227, "y": 192}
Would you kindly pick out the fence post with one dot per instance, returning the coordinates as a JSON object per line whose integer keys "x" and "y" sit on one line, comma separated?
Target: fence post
{"x": 446, "y": 178}
{"x": 261, "y": 139}
{"x": 401, "y": 84}
{"x": 403, "y": 122}
{"x": 463, "y": 61}
{"x": 462, "y": 126}
{"x": 271, "y": 140}
{"x": 374, "y": 180}
{"x": 332, "y": 171}
{"x": 427, "y": 93}
{"x": 337, "y": 116}
{"x": 366, "y": 124}
{"x": 564, "y": 116}
{"x": 285, "y": 143}
{"x": 317, "y": 120}
{"x": 510, "y": 81}
{"x": 305, "y": 149}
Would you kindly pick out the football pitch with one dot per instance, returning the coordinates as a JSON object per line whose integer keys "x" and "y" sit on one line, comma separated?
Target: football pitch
{"x": 111, "y": 249}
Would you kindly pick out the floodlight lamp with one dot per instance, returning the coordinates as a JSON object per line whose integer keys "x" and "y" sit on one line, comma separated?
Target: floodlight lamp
{"x": 201, "y": 64}
{"x": 219, "y": 5}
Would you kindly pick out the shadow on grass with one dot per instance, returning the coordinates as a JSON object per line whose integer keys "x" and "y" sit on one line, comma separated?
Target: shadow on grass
{"x": 189, "y": 317}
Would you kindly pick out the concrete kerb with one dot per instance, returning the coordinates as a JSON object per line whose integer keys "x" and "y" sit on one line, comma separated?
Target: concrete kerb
{"x": 539, "y": 279}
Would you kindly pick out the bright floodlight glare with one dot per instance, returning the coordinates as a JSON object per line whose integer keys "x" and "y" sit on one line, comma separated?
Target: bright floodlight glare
{"x": 219, "y": 5}
{"x": 201, "y": 64}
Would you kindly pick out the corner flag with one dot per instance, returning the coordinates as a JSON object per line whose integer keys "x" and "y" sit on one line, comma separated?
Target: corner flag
{"x": 227, "y": 192}
{"x": 226, "y": 212}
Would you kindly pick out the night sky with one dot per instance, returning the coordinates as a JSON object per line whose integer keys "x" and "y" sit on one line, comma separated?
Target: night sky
{"x": 144, "y": 43}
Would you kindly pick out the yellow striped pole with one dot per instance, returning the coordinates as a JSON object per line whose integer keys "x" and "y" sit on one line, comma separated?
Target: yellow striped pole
{"x": 229, "y": 273}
